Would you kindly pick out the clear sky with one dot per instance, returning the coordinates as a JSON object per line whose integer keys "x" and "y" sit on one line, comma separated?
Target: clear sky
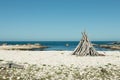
{"x": 44, "y": 20}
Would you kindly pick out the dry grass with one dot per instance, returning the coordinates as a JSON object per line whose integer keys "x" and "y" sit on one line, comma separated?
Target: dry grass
{"x": 63, "y": 72}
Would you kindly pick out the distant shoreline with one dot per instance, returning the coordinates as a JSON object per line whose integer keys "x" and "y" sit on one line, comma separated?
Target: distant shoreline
{"x": 58, "y": 45}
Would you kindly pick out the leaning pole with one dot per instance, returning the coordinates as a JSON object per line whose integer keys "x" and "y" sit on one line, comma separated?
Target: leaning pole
{"x": 85, "y": 47}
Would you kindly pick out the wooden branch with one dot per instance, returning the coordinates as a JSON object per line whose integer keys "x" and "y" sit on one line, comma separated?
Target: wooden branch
{"x": 85, "y": 47}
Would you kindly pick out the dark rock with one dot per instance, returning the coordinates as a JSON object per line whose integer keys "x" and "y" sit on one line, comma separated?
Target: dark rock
{"x": 11, "y": 65}
{"x": 113, "y": 47}
{"x": 101, "y": 55}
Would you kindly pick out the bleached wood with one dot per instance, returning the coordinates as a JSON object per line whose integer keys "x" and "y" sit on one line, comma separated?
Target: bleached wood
{"x": 85, "y": 47}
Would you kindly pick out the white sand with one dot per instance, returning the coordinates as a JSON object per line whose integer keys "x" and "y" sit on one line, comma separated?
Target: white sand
{"x": 59, "y": 58}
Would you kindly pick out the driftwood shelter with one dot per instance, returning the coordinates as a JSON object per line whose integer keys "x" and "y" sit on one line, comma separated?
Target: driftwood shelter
{"x": 85, "y": 47}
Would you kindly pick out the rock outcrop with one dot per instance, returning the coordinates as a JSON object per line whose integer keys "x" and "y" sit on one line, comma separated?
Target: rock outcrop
{"x": 22, "y": 47}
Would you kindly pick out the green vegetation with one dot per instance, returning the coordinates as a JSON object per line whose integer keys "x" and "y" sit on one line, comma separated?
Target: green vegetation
{"x": 63, "y": 72}
{"x": 1, "y": 60}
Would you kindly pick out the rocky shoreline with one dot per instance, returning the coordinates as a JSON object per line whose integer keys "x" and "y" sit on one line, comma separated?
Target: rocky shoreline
{"x": 22, "y": 47}
{"x": 112, "y": 46}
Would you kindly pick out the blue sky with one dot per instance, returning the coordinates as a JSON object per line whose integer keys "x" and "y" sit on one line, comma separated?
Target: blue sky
{"x": 52, "y": 20}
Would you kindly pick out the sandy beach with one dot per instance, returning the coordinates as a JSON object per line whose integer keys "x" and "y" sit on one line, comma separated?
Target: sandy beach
{"x": 58, "y": 65}
{"x": 59, "y": 58}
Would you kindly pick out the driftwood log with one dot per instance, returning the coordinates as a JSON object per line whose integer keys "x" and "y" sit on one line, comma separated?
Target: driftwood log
{"x": 11, "y": 65}
{"x": 85, "y": 48}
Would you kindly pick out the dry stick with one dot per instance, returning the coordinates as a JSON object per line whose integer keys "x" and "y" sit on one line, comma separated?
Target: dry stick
{"x": 78, "y": 47}
{"x": 84, "y": 47}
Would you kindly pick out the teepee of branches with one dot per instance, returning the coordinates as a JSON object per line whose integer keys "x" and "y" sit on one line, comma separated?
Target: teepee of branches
{"x": 85, "y": 47}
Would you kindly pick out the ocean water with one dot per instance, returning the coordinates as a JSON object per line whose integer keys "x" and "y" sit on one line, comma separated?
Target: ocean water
{"x": 57, "y": 45}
